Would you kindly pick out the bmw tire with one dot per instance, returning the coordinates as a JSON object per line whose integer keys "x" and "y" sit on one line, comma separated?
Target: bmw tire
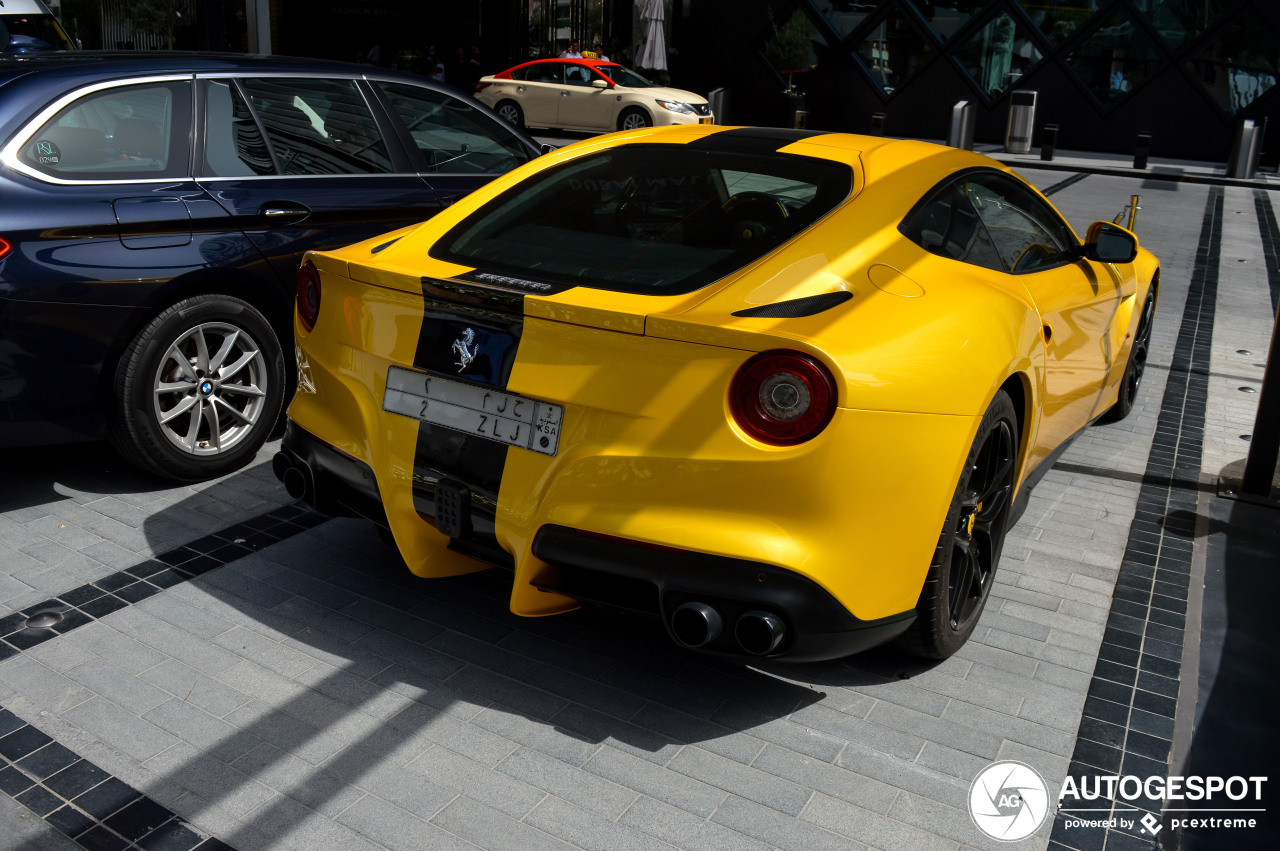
{"x": 199, "y": 389}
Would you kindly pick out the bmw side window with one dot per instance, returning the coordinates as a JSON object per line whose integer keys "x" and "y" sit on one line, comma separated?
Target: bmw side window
{"x": 318, "y": 125}
{"x": 120, "y": 133}
{"x": 233, "y": 146}
{"x": 948, "y": 225}
{"x": 1028, "y": 235}
{"x": 453, "y": 136}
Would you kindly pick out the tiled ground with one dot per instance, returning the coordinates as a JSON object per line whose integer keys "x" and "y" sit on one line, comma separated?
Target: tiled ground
{"x": 294, "y": 687}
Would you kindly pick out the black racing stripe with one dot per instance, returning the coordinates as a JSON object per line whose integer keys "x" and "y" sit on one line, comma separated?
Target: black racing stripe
{"x": 70, "y": 793}
{"x": 752, "y": 140}
{"x": 1270, "y": 243}
{"x": 1070, "y": 181}
{"x": 1128, "y": 721}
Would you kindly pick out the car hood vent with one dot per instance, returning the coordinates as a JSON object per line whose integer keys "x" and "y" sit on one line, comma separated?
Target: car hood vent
{"x": 807, "y": 306}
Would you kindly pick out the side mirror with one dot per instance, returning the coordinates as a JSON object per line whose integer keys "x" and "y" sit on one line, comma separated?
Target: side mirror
{"x": 1110, "y": 243}
{"x": 25, "y": 45}
{"x": 599, "y": 83}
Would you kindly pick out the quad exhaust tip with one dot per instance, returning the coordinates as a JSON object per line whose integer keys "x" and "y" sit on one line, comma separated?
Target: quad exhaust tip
{"x": 296, "y": 477}
{"x": 696, "y": 624}
{"x": 759, "y": 633}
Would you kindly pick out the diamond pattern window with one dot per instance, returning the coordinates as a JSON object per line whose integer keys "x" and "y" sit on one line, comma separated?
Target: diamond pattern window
{"x": 792, "y": 46}
{"x": 946, "y": 17}
{"x": 844, "y": 16}
{"x": 1115, "y": 58}
{"x": 892, "y": 51}
{"x": 998, "y": 55}
{"x": 1180, "y": 22}
{"x": 1060, "y": 19}
{"x": 1239, "y": 64}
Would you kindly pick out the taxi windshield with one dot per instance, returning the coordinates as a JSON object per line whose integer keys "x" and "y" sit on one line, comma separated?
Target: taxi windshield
{"x": 624, "y": 76}
{"x": 654, "y": 219}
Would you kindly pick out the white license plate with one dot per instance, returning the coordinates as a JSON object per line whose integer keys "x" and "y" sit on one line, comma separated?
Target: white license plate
{"x": 474, "y": 409}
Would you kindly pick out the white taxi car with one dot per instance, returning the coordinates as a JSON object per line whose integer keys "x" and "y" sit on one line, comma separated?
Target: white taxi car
{"x": 584, "y": 94}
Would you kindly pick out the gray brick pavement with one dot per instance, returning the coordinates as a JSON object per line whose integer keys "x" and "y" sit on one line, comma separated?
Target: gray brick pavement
{"x": 314, "y": 695}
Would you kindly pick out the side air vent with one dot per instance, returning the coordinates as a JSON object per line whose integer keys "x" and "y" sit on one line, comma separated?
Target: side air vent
{"x": 384, "y": 246}
{"x": 807, "y": 306}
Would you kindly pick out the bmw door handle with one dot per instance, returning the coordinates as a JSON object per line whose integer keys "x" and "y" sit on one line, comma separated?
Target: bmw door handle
{"x": 282, "y": 213}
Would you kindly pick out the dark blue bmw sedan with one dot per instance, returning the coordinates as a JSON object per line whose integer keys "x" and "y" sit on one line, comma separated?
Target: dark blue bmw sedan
{"x": 153, "y": 211}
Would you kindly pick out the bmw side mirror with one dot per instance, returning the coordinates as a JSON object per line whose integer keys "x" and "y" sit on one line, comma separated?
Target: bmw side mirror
{"x": 1110, "y": 243}
{"x": 599, "y": 83}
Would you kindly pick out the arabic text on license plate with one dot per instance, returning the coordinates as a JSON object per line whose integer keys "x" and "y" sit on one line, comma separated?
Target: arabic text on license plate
{"x": 473, "y": 409}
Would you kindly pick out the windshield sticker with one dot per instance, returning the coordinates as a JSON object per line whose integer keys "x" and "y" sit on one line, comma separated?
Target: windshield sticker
{"x": 46, "y": 153}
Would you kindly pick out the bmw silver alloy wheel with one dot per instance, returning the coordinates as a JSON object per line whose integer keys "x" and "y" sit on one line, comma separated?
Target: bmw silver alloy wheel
{"x": 209, "y": 388}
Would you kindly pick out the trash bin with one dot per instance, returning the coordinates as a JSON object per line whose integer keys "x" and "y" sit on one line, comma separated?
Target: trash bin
{"x": 1245, "y": 149}
{"x": 1022, "y": 117}
{"x": 960, "y": 133}
{"x": 719, "y": 101}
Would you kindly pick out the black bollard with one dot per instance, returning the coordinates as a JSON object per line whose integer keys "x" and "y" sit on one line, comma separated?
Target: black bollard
{"x": 1142, "y": 150}
{"x": 1048, "y": 142}
{"x": 877, "y": 124}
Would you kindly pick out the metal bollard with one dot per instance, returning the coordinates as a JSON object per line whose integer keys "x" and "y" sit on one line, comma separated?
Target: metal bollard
{"x": 877, "y": 124}
{"x": 719, "y": 101}
{"x": 1048, "y": 142}
{"x": 1264, "y": 447}
{"x": 802, "y": 119}
{"x": 1022, "y": 117}
{"x": 960, "y": 133}
{"x": 1245, "y": 147}
{"x": 1142, "y": 150}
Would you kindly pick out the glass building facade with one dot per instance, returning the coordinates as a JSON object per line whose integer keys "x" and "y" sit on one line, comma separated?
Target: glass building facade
{"x": 1185, "y": 71}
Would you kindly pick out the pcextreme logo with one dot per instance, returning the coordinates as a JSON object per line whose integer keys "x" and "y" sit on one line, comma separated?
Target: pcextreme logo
{"x": 1008, "y": 801}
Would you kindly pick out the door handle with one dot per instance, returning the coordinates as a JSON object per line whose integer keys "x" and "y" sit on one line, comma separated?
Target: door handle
{"x": 522, "y": 88}
{"x": 564, "y": 94}
{"x": 283, "y": 213}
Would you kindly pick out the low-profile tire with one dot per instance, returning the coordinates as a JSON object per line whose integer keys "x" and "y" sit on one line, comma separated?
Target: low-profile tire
{"x": 1136, "y": 365}
{"x": 634, "y": 119}
{"x": 964, "y": 563}
{"x": 510, "y": 112}
{"x": 199, "y": 389}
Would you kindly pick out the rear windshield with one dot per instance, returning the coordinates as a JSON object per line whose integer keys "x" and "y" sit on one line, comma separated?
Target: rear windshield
{"x": 653, "y": 219}
{"x": 43, "y": 27}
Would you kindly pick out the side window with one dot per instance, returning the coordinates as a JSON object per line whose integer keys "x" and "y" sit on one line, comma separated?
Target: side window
{"x": 948, "y": 225}
{"x": 547, "y": 72}
{"x": 577, "y": 75}
{"x": 318, "y": 126}
{"x": 121, "y": 133}
{"x": 453, "y": 136}
{"x": 233, "y": 145}
{"x": 1027, "y": 233}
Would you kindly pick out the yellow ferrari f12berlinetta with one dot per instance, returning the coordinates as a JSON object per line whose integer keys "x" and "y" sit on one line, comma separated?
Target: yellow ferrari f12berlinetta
{"x": 785, "y": 390}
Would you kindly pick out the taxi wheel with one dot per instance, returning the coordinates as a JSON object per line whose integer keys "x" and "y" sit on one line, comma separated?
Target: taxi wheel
{"x": 199, "y": 389}
{"x": 510, "y": 112}
{"x": 1136, "y": 365}
{"x": 634, "y": 119}
{"x": 964, "y": 563}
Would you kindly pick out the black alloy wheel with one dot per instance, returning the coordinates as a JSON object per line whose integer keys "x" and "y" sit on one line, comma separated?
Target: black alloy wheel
{"x": 1136, "y": 366}
{"x": 964, "y": 563}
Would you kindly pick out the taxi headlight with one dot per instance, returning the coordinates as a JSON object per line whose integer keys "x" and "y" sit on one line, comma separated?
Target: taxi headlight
{"x": 676, "y": 106}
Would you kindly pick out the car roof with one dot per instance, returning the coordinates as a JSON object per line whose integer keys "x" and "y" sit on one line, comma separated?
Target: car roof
{"x": 111, "y": 63}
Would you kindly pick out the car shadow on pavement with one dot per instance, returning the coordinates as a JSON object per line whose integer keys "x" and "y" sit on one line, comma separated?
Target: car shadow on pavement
{"x": 365, "y": 677}
{"x": 35, "y": 476}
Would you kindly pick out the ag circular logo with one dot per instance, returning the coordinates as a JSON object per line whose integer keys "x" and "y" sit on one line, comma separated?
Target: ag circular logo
{"x": 1008, "y": 801}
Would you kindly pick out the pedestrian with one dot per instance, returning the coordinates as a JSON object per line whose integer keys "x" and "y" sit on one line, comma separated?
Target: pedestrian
{"x": 571, "y": 52}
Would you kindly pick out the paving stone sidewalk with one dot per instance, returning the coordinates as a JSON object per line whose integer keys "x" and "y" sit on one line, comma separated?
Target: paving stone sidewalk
{"x": 293, "y": 687}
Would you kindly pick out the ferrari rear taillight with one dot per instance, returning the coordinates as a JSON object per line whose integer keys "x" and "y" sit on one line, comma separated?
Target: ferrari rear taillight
{"x": 782, "y": 397}
{"x": 5, "y": 248}
{"x": 308, "y": 295}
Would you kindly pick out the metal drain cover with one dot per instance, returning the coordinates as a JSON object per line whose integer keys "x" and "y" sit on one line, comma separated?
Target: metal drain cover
{"x": 45, "y": 619}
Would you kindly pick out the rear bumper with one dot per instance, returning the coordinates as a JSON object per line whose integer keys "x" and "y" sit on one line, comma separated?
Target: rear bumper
{"x": 650, "y": 580}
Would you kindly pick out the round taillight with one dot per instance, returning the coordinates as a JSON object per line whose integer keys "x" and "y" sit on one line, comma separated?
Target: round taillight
{"x": 308, "y": 295}
{"x": 782, "y": 397}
